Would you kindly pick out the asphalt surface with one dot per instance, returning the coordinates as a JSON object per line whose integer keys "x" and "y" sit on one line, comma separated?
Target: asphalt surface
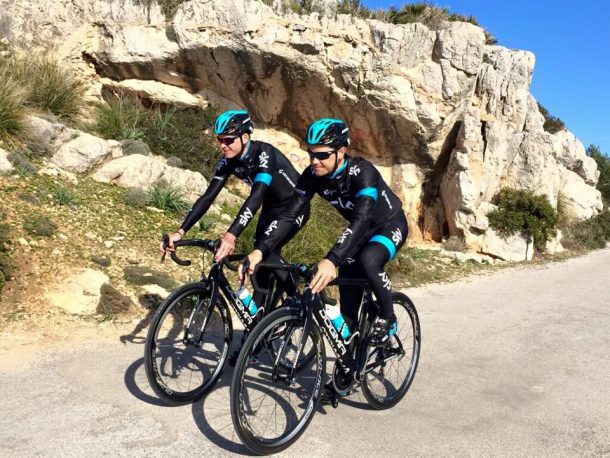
{"x": 516, "y": 363}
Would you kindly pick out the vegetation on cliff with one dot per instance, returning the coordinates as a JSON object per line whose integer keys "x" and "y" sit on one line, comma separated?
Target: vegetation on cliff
{"x": 523, "y": 212}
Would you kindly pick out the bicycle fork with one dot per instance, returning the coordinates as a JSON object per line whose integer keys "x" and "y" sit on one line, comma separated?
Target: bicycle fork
{"x": 206, "y": 319}
{"x": 289, "y": 378}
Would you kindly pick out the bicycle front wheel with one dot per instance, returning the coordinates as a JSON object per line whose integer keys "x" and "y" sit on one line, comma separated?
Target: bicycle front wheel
{"x": 391, "y": 369}
{"x": 187, "y": 344}
{"x": 270, "y": 408}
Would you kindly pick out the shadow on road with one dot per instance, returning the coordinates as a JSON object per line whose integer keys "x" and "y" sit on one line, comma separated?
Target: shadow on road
{"x": 212, "y": 415}
{"x": 137, "y": 384}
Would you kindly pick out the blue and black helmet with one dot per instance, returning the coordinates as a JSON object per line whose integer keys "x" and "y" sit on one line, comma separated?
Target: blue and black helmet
{"x": 233, "y": 122}
{"x": 328, "y": 131}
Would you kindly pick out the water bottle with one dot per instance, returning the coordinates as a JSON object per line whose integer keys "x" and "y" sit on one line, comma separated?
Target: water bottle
{"x": 246, "y": 298}
{"x": 334, "y": 314}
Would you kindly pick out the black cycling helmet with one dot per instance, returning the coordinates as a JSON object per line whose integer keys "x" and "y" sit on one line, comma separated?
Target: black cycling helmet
{"x": 233, "y": 122}
{"x": 328, "y": 131}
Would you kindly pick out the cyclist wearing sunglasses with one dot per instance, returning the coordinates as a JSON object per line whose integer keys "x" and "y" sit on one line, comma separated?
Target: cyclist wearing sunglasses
{"x": 377, "y": 224}
{"x": 260, "y": 165}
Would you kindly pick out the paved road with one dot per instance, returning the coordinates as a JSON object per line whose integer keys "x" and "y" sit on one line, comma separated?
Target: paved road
{"x": 515, "y": 363}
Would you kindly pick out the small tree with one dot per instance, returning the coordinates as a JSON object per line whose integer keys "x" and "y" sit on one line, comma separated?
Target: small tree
{"x": 603, "y": 165}
{"x": 521, "y": 211}
{"x": 552, "y": 124}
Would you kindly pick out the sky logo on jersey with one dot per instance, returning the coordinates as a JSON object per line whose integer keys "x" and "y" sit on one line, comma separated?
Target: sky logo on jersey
{"x": 222, "y": 163}
{"x": 344, "y": 236}
{"x": 329, "y": 192}
{"x": 347, "y": 205}
{"x": 387, "y": 284}
{"x": 387, "y": 199}
{"x": 245, "y": 217}
{"x": 264, "y": 160}
{"x": 354, "y": 170}
{"x": 396, "y": 236}
{"x": 271, "y": 227}
{"x": 299, "y": 220}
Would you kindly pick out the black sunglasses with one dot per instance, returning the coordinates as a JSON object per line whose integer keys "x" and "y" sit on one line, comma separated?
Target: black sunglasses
{"x": 321, "y": 156}
{"x": 226, "y": 140}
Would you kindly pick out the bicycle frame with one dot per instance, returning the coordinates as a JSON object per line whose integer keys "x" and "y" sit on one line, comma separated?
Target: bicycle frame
{"x": 216, "y": 280}
{"x": 314, "y": 312}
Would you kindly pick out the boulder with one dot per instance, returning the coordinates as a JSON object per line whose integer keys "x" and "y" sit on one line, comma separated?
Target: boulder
{"x": 80, "y": 293}
{"x": 85, "y": 151}
{"x": 5, "y": 165}
{"x": 143, "y": 172}
{"x": 514, "y": 248}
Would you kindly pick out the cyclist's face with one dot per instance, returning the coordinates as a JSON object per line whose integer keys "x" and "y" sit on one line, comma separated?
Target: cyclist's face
{"x": 229, "y": 148}
{"x": 323, "y": 167}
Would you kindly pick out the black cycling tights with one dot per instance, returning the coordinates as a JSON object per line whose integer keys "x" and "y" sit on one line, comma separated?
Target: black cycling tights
{"x": 368, "y": 264}
{"x": 263, "y": 276}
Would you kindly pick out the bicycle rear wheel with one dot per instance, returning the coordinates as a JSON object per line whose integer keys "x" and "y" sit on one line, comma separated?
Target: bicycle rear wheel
{"x": 391, "y": 369}
{"x": 187, "y": 344}
{"x": 269, "y": 410}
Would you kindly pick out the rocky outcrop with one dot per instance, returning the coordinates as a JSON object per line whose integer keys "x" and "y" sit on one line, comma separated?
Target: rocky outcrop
{"x": 79, "y": 293}
{"x": 143, "y": 172}
{"x": 448, "y": 119}
{"x": 5, "y": 165}
{"x": 84, "y": 152}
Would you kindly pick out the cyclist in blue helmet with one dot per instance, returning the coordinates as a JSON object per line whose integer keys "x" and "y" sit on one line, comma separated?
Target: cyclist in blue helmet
{"x": 264, "y": 168}
{"x": 377, "y": 224}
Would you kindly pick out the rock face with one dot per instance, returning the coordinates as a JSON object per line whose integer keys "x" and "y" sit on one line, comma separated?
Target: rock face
{"x": 448, "y": 119}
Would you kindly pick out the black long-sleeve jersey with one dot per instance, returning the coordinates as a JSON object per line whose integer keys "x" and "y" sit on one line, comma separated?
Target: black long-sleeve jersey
{"x": 356, "y": 190}
{"x": 261, "y": 166}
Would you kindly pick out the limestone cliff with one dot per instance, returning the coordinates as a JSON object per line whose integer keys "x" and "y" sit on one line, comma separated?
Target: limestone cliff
{"x": 448, "y": 119}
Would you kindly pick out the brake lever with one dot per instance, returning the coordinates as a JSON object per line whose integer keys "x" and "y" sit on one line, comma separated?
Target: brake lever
{"x": 245, "y": 267}
{"x": 165, "y": 240}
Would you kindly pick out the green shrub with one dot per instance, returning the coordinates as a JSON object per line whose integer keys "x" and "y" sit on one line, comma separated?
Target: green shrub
{"x": 48, "y": 85}
{"x": 63, "y": 196}
{"x": 603, "y": 165}
{"x": 167, "y": 196}
{"x": 552, "y": 124}
{"x": 180, "y": 133}
{"x": 313, "y": 242}
{"x": 523, "y": 212}
{"x": 120, "y": 119}
{"x": 589, "y": 234}
{"x": 39, "y": 225}
{"x": 12, "y": 109}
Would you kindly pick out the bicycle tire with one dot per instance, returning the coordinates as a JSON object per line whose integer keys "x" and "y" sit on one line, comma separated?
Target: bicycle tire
{"x": 270, "y": 328}
{"x": 164, "y": 362}
{"x": 409, "y": 333}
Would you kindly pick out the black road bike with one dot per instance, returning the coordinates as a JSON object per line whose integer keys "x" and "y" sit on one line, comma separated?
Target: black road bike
{"x": 275, "y": 392}
{"x": 188, "y": 341}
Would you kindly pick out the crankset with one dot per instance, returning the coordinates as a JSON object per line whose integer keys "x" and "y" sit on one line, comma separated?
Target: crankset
{"x": 343, "y": 381}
